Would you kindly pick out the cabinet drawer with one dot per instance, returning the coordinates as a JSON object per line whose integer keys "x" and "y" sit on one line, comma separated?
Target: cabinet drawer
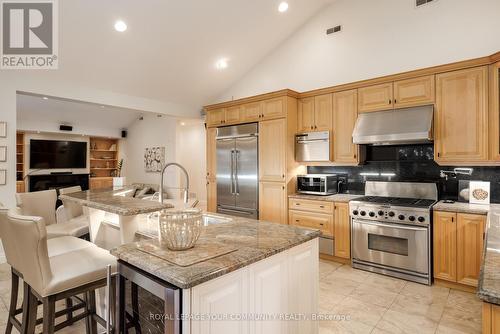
{"x": 319, "y": 221}
{"x": 310, "y": 205}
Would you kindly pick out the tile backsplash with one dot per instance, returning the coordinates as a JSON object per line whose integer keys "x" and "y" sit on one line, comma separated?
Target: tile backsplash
{"x": 410, "y": 163}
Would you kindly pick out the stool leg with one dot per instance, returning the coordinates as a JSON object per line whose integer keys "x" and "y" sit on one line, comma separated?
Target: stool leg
{"x": 30, "y": 306}
{"x": 14, "y": 291}
{"x": 49, "y": 311}
{"x": 135, "y": 308}
{"x": 69, "y": 316}
{"x": 91, "y": 323}
{"x": 121, "y": 320}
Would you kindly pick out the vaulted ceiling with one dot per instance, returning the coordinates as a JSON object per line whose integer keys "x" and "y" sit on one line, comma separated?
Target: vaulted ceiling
{"x": 170, "y": 47}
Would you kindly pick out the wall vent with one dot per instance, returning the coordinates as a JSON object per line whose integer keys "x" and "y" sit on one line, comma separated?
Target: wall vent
{"x": 419, "y": 3}
{"x": 334, "y": 30}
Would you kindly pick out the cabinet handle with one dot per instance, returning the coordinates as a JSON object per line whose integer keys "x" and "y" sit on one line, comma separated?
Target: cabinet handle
{"x": 395, "y": 101}
{"x": 321, "y": 224}
{"x": 283, "y": 187}
{"x": 452, "y": 219}
{"x": 297, "y": 220}
{"x": 322, "y": 206}
{"x": 312, "y": 127}
{"x": 390, "y": 102}
{"x": 354, "y": 156}
{"x": 438, "y": 154}
{"x": 297, "y": 203}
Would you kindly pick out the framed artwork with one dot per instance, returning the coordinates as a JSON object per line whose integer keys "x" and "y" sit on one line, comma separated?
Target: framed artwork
{"x": 154, "y": 159}
{"x": 3, "y": 129}
{"x": 3, "y": 177}
{"x": 3, "y": 153}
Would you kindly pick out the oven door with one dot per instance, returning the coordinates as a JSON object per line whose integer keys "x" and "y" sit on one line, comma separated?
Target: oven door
{"x": 393, "y": 245}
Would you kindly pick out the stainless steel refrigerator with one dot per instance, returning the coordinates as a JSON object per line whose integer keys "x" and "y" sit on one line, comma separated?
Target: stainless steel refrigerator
{"x": 237, "y": 170}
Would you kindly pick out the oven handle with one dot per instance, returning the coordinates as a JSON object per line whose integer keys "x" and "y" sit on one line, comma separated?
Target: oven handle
{"x": 396, "y": 225}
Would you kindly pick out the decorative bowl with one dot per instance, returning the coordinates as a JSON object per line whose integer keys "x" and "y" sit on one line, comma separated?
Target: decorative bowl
{"x": 179, "y": 230}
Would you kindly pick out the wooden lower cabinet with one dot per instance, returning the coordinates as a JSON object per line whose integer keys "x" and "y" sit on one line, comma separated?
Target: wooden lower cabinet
{"x": 101, "y": 182}
{"x": 320, "y": 221}
{"x": 272, "y": 202}
{"x": 458, "y": 245}
{"x": 20, "y": 187}
{"x": 491, "y": 318}
{"x": 342, "y": 231}
{"x": 211, "y": 195}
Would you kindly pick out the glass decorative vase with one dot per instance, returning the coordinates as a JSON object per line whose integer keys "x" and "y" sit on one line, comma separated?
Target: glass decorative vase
{"x": 179, "y": 230}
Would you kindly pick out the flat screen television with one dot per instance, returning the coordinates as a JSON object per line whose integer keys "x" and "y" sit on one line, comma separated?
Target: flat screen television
{"x": 48, "y": 154}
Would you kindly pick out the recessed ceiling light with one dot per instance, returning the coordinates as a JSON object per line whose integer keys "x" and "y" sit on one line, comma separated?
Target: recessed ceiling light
{"x": 102, "y": 106}
{"x": 45, "y": 98}
{"x": 120, "y": 26}
{"x": 283, "y": 7}
{"x": 182, "y": 123}
{"x": 221, "y": 64}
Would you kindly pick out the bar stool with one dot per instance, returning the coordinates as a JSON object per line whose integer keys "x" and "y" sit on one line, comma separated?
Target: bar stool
{"x": 43, "y": 204}
{"x": 56, "y": 277}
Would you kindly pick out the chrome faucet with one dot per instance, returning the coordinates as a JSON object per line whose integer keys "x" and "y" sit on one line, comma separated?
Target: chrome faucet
{"x": 186, "y": 190}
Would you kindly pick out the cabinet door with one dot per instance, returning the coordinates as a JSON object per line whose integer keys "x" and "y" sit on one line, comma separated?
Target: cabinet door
{"x": 211, "y": 153}
{"x": 216, "y": 117}
{"x": 461, "y": 133}
{"x": 211, "y": 195}
{"x": 323, "y": 112}
{"x": 224, "y": 295}
{"x": 342, "y": 223}
{"x": 251, "y": 111}
{"x": 272, "y": 202}
{"x": 374, "y": 98}
{"x": 414, "y": 92}
{"x": 345, "y": 112}
{"x": 233, "y": 115}
{"x": 305, "y": 115}
{"x": 445, "y": 245}
{"x": 273, "y": 108}
{"x": 494, "y": 113}
{"x": 272, "y": 148}
{"x": 269, "y": 293}
{"x": 319, "y": 221}
{"x": 470, "y": 233}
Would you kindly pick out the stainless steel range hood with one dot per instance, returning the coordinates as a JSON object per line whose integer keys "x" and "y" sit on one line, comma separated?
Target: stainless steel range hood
{"x": 393, "y": 127}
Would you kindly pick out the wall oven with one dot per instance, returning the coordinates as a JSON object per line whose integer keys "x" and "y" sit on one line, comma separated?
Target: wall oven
{"x": 402, "y": 250}
{"x": 312, "y": 146}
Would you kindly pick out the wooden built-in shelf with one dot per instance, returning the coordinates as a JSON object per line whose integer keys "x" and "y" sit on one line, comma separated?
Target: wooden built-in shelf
{"x": 103, "y": 159}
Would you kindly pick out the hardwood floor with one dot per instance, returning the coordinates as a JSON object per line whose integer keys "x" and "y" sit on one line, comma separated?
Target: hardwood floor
{"x": 362, "y": 302}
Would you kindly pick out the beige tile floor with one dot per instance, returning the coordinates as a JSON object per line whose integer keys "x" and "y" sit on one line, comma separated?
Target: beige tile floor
{"x": 370, "y": 303}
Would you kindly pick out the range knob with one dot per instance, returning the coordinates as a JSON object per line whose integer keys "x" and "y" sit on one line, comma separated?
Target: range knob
{"x": 421, "y": 219}
{"x": 411, "y": 218}
{"x": 355, "y": 212}
{"x": 363, "y": 213}
{"x": 371, "y": 214}
{"x": 381, "y": 213}
{"x": 391, "y": 213}
{"x": 401, "y": 217}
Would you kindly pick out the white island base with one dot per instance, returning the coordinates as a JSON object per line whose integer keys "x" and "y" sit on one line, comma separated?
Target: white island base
{"x": 282, "y": 287}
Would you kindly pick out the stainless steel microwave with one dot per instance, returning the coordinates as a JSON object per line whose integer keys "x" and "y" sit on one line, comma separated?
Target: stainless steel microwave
{"x": 319, "y": 184}
{"x": 312, "y": 146}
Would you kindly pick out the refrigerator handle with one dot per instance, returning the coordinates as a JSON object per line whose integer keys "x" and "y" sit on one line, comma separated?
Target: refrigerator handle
{"x": 232, "y": 173}
{"x": 237, "y": 185}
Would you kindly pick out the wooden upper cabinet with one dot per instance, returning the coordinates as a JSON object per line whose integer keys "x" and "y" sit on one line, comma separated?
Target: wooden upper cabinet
{"x": 274, "y": 108}
{"x": 345, "y": 112}
{"x": 445, "y": 245}
{"x": 211, "y": 153}
{"x": 272, "y": 148}
{"x": 375, "y": 98}
{"x": 305, "y": 115}
{"x": 414, "y": 92}
{"x": 494, "y": 113}
{"x": 470, "y": 234}
{"x": 342, "y": 230}
{"x": 216, "y": 117}
{"x": 460, "y": 131}
{"x": 272, "y": 202}
{"x": 252, "y": 111}
{"x": 323, "y": 112}
{"x": 233, "y": 115}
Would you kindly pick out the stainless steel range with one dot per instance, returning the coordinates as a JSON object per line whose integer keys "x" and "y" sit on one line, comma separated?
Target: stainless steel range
{"x": 391, "y": 229}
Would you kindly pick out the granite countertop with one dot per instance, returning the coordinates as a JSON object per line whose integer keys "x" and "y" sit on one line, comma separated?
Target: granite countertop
{"x": 329, "y": 198}
{"x": 254, "y": 240}
{"x": 116, "y": 201}
{"x": 489, "y": 277}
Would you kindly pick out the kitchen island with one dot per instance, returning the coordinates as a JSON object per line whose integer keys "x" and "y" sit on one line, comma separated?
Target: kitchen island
{"x": 264, "y": 281}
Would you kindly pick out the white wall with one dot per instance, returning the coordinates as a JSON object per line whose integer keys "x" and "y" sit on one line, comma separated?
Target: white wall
{"x": 191, "y": 141}
{"x": 152, "y": 131}
{"x": 53, "y": 127}
{"x": 379, "y": 38}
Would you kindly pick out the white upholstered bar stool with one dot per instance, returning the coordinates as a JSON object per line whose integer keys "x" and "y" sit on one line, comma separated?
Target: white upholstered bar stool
{"x": 55, "y": 246}
{"x": 43, "y": 204}
{"x": 52, "y": 278}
